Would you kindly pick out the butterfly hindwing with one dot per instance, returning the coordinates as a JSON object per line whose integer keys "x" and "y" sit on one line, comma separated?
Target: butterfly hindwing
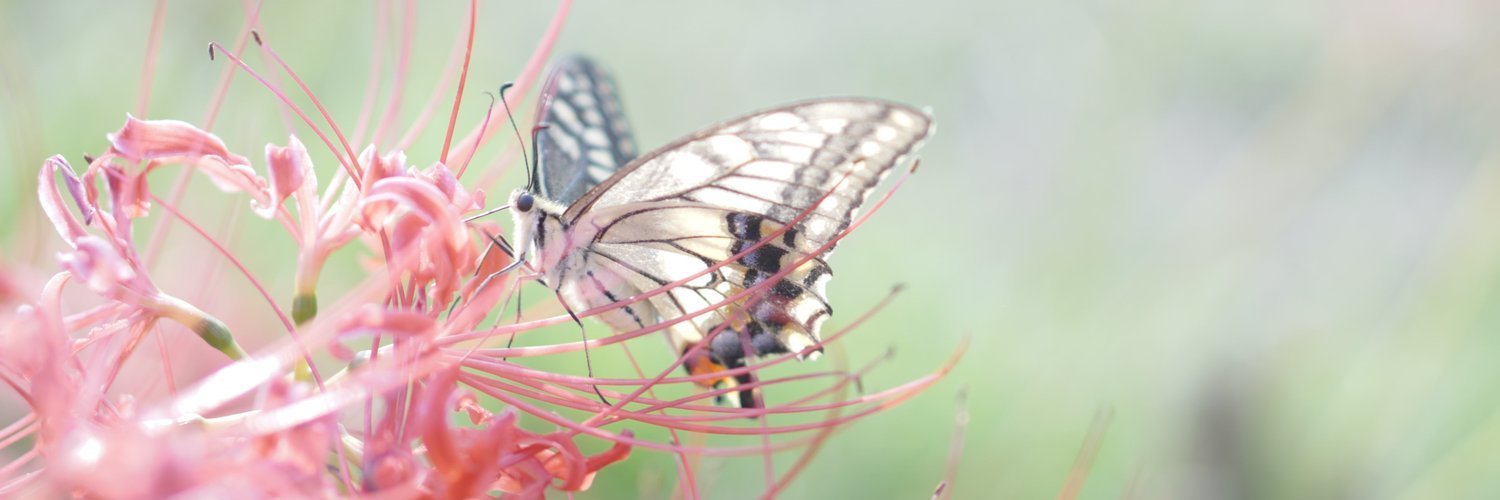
{"x": 587, "y": 138}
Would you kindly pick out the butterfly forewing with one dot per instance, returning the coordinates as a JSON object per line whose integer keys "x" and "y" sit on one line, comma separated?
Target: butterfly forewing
{"x": 587, "y": 138}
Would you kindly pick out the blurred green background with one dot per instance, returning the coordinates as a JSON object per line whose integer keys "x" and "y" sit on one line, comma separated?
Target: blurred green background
{"x": 1260, "y": 236}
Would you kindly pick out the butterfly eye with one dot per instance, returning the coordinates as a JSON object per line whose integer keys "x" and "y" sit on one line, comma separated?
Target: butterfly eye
{"x": 524, "y": 202}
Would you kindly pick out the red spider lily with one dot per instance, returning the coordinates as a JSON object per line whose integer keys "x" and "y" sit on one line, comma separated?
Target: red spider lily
{"x": 408, "y": 353}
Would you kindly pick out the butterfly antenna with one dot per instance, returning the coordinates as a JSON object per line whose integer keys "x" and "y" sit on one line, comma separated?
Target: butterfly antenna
{"x": 586, "y": 359}
{"x": 530, "y": 172}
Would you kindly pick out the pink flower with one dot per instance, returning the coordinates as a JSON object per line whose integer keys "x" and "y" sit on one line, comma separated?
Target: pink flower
{"x": 155, "y": 142}
{"x": 108, "y": 264}
{"x": 357, "y": 396}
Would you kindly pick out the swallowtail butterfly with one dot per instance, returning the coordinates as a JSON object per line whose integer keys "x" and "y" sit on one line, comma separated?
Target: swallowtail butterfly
{"x": 599, "y": 225}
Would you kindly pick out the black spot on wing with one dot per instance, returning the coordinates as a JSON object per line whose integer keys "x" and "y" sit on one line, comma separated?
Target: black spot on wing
{"x": 785, "y": 288}
{"x": 765, "y": 258}
{"x": 744, "y": 226}
{"x": 818, "y": 271}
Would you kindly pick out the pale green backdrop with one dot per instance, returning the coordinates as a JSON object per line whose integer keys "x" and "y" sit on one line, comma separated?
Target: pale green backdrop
{"x": 1259, "y": 235}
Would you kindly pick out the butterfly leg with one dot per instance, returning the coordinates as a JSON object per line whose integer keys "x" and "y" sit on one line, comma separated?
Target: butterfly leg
{"x": 588, "y": 361}
{"x": 494, "y": 243}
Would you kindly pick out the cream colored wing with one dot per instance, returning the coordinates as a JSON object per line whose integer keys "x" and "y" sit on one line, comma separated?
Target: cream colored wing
{"x": 684, "y": 208}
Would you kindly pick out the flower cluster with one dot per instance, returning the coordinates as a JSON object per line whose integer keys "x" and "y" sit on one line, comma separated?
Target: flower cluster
{"x": 420, "y": 399}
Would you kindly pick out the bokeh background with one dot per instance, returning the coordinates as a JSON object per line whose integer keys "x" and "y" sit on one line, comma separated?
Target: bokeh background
{"x": 1254, "y": 244}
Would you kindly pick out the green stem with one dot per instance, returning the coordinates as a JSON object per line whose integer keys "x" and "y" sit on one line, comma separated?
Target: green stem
{"x": 208, "y": 328}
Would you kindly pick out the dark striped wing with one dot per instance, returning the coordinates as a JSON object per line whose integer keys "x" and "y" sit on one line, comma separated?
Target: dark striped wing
{"x": 587, "y": 138}
{"x": 685, "y": 207}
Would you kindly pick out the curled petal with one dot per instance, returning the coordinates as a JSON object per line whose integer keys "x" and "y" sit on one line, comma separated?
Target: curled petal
{"x": 99, "y": 266}
{"x": 301, "y": 450}
{"x": 422, "y": 199}
{"x": 345, "y": 212}
{"x": 620, "y": 451}
{"x": 66, "y": 224}
{"x": 444, "y": 449}
{"x": 438, "y": 227}
{"x": 443, "y": 179}
{"x": 466, "y": 460}
{"x": 440, "y": 263}
{"x": 400, "y": 322}
{"x": 145, "y": 140}
{"x": 179, "y": 141}
{"x": 34, "y": 348}
{"x": 469, "y": 403}
{"x": 288, "y": 167}
{"x": 556, "y": 456}
{"x": 564, "y": 461}
{"x": 234, "y": 177}
{"x": 373, "y": 319}
{"x": 392, "y": 164}
{"x": 128, "y": 191}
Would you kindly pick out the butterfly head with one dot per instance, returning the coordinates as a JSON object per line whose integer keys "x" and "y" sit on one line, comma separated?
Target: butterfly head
{"x": 525, "y": 202}
{"x": 525, "y": 214}
{"x": 535, "y": 218}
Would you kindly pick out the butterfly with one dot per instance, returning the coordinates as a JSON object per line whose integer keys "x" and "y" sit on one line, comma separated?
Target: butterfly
{"x": 599, "y": 225}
